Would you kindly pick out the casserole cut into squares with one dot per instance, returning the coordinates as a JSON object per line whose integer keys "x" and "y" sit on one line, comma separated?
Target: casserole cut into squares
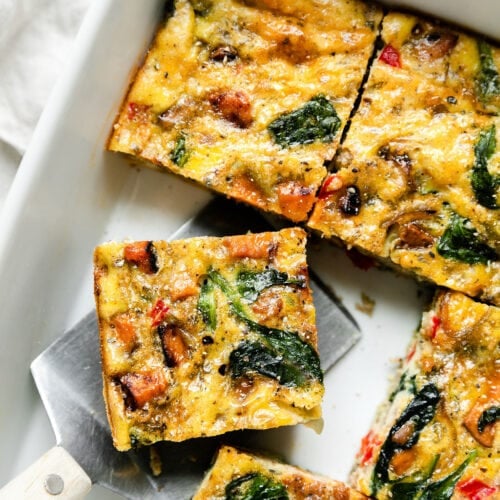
{"x": 416, "y": 181}
{"x": 438, "y": 434}
{"x": 206, "y": 335}
{"x": 249, "y": 98}
{"x": 240, "y": 474}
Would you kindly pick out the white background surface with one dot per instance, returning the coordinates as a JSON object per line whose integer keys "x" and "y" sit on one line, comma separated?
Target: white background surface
{"x": 70, "y": 195}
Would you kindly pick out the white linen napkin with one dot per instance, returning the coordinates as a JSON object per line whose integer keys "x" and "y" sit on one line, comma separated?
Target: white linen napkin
{"x": 35, "y": 38}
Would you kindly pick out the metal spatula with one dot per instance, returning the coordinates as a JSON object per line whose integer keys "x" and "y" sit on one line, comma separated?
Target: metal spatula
{"x": 68, "y": 377}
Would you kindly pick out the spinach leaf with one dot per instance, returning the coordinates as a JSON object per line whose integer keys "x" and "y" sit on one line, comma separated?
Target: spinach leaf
{"x": 256, "y": 357}
{"x": 492, "y": 414}
{"x": 250, "y": 284}
{"x": 406, "y": 383}
{"x": 403, "y": 488}
{"x": 277, "y": 354}
{"x": 179, "y": 154}
{"x": 231, "y": 294}
{"x": 424, "y": 489}
{"x": 460, "y": 242}
{"x": 316, "y": 120}
{"x": 487, "y": 79}
{"x": 483, "y": 183}
{"x": 443, "y": 489}
{"x": 207, "y": 305}
{"x": 419, "y": 412}
{"x": 255, "y": 486}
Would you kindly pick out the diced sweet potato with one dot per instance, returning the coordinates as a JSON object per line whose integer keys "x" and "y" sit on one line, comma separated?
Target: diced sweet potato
{"x": 144, "y": 386}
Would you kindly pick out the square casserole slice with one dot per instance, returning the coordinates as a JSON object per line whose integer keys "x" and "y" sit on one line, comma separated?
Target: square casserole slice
{"x": 438, "y": 435}
{"x": 206, "y": 335}
{"x": 415, "y": 183}
{"x": 239, "y": 474}
{"x": 249, "y": 98}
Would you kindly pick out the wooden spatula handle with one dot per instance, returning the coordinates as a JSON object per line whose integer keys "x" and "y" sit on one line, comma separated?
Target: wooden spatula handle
{"x": 54, "y": 476}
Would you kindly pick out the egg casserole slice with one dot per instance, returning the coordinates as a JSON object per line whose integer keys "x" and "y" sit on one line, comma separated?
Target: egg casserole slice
{"x": 415, "y": 183}
{"x": 238, "y": 474}
{"x": 206, "y": 335}
{"x": 249, "y": 98}
{"x": 438, "y": 436}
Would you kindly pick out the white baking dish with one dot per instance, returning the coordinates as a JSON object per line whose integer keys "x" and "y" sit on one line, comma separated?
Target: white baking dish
{"x": 70, "y": 195}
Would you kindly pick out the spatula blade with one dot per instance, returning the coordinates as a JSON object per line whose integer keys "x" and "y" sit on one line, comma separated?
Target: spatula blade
{"x": 68, "y": 378}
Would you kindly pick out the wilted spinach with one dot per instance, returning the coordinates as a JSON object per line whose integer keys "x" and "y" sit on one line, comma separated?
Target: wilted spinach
{"x": 425, "y": 489}
{"x": 207, "y": 305}
{"x": 255, "y": 486}
{"x": 483, "y": 183}
{"x": 487, "y": 79}
{"x": 316, "y": 120}
{"x": 460, "y": 242}
{"x": 250, "y": 283}
{"x": 278, "y": 354}
{"x": 419, "y": 412}
{"x": 406, "y": 383}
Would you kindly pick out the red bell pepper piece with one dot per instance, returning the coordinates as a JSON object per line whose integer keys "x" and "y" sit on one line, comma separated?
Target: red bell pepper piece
{"x": 411, "y": 352}
{"x": 368, "y": 445}
{"x": 332, "y": 183}
{"x": 436, "y": 322}
{"x": 391, "y": 56}
{"x": 158, "y": 312}
{"x": 475, "y": 489}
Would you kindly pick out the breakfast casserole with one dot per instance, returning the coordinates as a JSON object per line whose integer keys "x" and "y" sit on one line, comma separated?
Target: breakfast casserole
{"x": 238, "y": 475}
{"x": 437, "y": 437}
{"x": 415, "y": 183}
{"x": 249, "y": 97}
{"x": 206, "y": 335}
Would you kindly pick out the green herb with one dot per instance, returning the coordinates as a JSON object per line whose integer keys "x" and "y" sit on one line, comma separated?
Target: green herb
{"x": 424, "y": 489}
{"x": 250, "y": 284}
{"x": 278, "y": 354}
{"x": 487, "y": 79}
{"x": 405, "y": 384}
{"x": 488, "y": 416}
{"x": 207, "y": 305}
{"x": 483, "y": 183}
{"x": 419, "y": 412}
{"x": 255, "y": 486}
{"x": 316, "y": 120}
{"x": 460, "y": 242}
{"x": 180, "y": 154}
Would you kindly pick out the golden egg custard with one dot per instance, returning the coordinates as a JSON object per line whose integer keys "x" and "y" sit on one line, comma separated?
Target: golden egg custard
{"x": 249, "y": 98}
{"x": 238, "y": 474}
{"x": 415, "y": 183}
{"x": 438, "y": 436}
{"x": 206, "y": 335}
